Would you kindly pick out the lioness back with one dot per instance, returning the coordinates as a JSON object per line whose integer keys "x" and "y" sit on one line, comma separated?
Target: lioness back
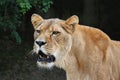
{"x": 85, "y": 53}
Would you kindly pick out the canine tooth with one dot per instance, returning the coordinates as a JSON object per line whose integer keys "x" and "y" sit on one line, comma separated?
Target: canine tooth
{"x": 47, "y": 56}
{"x": 40, "y": 56}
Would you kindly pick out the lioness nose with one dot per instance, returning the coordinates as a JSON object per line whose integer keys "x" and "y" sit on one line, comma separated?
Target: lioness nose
{"x": 40, "y": 43}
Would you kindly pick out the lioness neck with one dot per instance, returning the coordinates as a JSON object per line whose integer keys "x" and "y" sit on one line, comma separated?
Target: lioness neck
{"x": 74, "y": 68}
{"x": 74, "y": 62}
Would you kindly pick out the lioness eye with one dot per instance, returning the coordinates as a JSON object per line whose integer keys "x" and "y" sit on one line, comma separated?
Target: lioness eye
{"x": 55, "y": 32}
{"x": 38, "y": 31}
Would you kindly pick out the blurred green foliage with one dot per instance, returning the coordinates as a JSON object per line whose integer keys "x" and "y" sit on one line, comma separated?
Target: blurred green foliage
{"x": 13, "y": 11}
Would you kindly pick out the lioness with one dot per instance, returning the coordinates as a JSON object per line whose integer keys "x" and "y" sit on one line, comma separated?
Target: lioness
{"x": 85, "y": 53}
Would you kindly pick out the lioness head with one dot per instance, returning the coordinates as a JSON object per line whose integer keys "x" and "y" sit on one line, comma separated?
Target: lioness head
{"x": 52, "y": 39}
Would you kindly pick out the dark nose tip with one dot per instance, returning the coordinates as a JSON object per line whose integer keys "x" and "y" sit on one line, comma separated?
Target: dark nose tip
{"x": 40, "y": 43}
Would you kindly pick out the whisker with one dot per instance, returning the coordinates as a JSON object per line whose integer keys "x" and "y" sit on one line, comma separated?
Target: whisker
{"x": 31, "y": 52}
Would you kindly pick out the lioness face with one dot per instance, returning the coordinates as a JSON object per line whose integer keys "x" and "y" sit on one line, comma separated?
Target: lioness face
{"x": 52, "y": 40}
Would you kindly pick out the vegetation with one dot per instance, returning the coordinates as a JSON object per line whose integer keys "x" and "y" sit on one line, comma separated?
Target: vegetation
{"x": 13, "y": 11}
{"x": 15, "y": 27}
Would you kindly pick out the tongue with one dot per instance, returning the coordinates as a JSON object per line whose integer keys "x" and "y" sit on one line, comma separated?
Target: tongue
{"x": 43, "y": 59}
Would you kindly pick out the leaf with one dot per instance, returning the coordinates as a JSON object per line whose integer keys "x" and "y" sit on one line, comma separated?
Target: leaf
{"x": 17, "y": 37}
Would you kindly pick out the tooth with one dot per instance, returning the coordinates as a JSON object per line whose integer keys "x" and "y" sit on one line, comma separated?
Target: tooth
{"x": 40, "y": 56}
{"x": 47, "y": 56}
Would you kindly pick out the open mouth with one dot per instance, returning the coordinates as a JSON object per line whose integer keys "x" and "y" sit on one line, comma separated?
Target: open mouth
{"x": 41, "y": 57}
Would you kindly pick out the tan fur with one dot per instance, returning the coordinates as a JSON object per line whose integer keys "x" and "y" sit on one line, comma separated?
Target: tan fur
{"x": 85, "y": 53}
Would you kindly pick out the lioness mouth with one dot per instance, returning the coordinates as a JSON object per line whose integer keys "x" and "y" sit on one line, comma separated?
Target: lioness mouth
{"x": 45, "y": 58}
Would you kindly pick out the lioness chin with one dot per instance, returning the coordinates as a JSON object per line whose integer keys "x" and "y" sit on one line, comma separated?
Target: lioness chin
{"x": 85, "y": 53}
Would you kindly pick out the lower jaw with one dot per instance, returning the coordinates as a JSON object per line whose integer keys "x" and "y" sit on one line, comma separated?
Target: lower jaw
{"x": 45, "y": 64}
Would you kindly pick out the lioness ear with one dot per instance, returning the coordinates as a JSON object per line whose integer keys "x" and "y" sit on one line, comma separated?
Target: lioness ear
{"x": 72, "y": 20}
{"x": 70, "y": 23}
{"x": 36, "y": 20}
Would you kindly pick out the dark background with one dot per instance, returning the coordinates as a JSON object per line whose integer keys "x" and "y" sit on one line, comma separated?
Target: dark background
{"x": 16, "y": 63}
